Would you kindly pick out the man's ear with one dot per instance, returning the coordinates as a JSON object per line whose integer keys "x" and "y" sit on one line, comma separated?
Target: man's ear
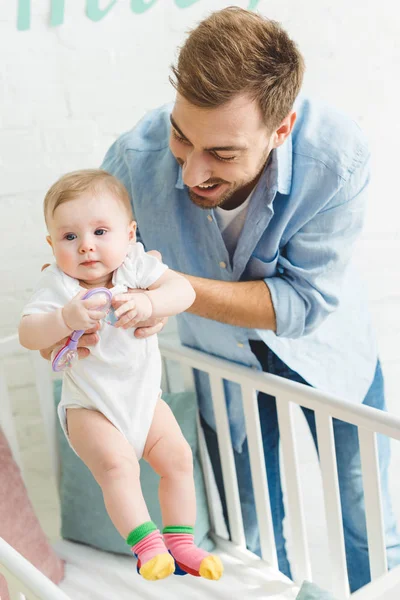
{"x": 284, "y": 129}
{"x": 132, "y": 231}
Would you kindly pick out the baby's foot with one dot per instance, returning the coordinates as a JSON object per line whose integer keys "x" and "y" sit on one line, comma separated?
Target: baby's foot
{"x": 189, "y": 557}
{"x": 154, "y": 560}
{"x": 159, "y": 567}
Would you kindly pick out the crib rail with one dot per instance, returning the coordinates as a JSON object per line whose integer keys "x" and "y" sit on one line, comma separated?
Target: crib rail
{"x": 26, "y": 582}
{"x": 369, "y": 422}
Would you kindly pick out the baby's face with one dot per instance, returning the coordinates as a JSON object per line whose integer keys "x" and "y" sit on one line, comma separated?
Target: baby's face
{"x": 90, "y": 236}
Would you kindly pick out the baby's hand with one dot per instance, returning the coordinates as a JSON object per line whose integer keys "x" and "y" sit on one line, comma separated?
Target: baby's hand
{"x": 136, "y": 309}
{"x": 80, "y": 314}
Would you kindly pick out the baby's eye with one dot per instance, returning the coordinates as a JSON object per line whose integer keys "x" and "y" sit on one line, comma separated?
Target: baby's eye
{"x": 100, "y": 232}
{"x": 70, "y": 237}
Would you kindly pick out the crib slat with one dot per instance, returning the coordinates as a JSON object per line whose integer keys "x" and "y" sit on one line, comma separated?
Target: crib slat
{"x": 207, "y": 474}
{"x": 44, "y": 386}
{"x": 333, "y": 510}
{"x": 373, "y": 502}
{"x": 259, "y": 477}
{"x": 294, "y": 498}
{"x": 165, "y": 381}
{"x": 7, "y": 419}
{"x": 227, "y": 461}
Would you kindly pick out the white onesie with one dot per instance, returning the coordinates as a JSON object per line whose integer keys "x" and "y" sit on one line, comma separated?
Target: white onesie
{"x": 121, "y": 377}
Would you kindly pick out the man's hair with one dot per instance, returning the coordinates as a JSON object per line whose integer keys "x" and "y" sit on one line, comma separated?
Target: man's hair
{"x": 236, "y": 51}
{"x": 72, "y": 185}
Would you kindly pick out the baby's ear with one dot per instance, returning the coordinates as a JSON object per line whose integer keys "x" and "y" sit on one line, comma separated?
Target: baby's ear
{"x": 132, "y": 231}
{"x": 48, "y": 240}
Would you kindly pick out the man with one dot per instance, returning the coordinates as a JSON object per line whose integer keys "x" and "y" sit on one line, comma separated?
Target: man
{"x": 257, "y": 197}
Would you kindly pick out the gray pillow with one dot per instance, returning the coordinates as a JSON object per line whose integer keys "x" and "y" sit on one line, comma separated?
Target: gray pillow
{"x": 83, "y": 515}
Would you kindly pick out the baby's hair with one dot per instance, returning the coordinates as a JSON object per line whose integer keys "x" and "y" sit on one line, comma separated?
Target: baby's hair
{"x": 74, "y": 184}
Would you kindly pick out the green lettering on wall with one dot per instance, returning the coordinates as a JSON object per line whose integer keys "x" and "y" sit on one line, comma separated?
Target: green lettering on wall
{"x": 94, "y": 12}
{"x": 57, "y": 12}
{"x": 185, "y": 3}
{"x": 24, "y": 14}
{"x": 140, "y": 6}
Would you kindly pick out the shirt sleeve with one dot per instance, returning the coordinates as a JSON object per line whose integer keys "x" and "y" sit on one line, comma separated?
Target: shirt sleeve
{"x": 313, "y": 262}
{"x": 139, "y": 270}
{"x": 116, "y": 163}
{"x": 50, "y": 294}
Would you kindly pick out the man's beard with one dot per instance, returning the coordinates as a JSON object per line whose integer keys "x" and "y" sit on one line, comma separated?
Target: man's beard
{"x": 234, "y": 188}
{"x": 207, "y": 203}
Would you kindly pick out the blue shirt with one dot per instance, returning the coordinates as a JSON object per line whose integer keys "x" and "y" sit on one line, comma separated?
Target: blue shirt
{"x": 303, "y": 218}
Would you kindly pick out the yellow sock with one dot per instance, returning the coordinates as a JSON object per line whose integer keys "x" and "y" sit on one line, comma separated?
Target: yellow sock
{"x": 159, "y": 567}
{"x": 211, "y": 567}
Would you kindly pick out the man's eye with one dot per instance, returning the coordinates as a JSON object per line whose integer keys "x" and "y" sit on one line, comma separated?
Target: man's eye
{"x": 100, "y": 232}
{"x": 178, "y": 137}
{"x": 224, "y": 158}
{"x": 70, "y": 237}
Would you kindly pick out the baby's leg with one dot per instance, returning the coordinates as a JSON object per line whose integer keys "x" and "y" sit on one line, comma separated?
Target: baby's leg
{"x": 114, "y": 465}
{"x": 170, "y": 456}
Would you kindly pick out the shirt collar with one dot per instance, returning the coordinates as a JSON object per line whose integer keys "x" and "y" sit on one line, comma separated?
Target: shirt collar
{"x": 179, "y": 182}
{"x": 278, "y": 171}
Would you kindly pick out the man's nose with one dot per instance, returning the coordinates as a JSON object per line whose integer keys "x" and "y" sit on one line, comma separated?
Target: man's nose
{"x": 195, "y": 170}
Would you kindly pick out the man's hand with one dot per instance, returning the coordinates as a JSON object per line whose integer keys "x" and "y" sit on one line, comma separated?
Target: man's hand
{"x": 89, "y": 338}
{"x": 150, "y": 327}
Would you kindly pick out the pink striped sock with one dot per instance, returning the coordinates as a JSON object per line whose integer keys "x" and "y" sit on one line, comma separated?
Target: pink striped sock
{"x": 185, "y": 552}
{"x": 149, "y": 547}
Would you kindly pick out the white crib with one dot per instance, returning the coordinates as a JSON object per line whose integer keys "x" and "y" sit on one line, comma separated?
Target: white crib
{"x": 246, "y": 576}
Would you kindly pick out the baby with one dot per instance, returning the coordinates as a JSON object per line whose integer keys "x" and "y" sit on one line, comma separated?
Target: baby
{"x": 111, "y": 408}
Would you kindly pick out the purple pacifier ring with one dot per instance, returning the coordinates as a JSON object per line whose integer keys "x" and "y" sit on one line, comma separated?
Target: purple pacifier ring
{"x": 68, "y": 353}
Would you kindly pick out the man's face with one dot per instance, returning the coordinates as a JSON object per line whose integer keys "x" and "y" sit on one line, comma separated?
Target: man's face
{"x": 222, "y": 150}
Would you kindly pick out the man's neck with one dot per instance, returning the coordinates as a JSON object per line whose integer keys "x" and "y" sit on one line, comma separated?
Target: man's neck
{"x": 240, "y": 195}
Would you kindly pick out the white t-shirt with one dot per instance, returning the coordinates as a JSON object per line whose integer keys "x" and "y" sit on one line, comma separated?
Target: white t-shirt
{"x": 231, "y": 223}
{"x": 121, "y": 377}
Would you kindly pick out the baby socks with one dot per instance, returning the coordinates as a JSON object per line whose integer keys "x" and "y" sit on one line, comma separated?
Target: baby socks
{"x": 180, "y": 542}
{"x": 154, "y": 560}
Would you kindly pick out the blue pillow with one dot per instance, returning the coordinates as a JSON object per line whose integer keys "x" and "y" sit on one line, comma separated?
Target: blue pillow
{"x": 83, "y": 515}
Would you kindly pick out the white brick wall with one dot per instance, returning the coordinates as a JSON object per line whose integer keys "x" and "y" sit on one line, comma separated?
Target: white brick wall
{"x": 66, "y": 92}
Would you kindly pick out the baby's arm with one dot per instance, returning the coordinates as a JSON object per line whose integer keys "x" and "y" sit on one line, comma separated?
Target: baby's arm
{"x": 40, "y": 330}
{"x": 170, "y": 294}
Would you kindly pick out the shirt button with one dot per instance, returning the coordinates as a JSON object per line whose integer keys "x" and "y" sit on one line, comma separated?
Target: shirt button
{"x": 222, "y": 264}
{"x": 240, "y": 345}
{"x": 209, "y": 218}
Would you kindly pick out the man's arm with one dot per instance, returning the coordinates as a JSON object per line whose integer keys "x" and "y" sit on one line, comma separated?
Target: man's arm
{"x": 244, "y": 303}
{"x": 294, "y": 302}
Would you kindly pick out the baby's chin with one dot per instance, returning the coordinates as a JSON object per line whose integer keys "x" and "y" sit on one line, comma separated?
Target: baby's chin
{"x": 90, "y": 278}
